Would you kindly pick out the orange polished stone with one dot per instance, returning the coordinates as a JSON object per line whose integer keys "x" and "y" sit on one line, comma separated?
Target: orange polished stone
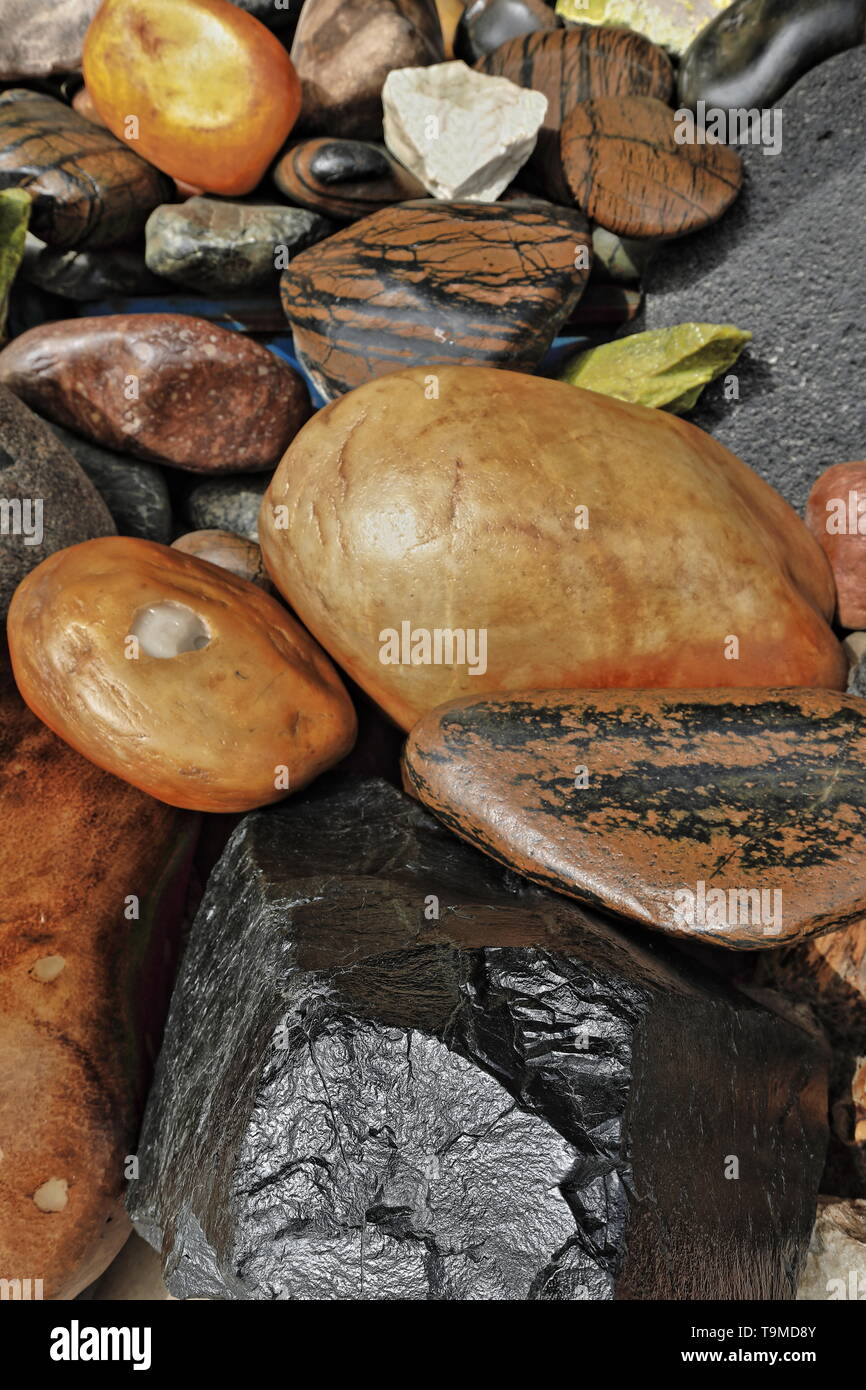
{"x": 222, "y": 703}
{"x": 197, "y": 87}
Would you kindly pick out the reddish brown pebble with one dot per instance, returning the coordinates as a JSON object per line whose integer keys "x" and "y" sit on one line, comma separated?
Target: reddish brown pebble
{"x": 575, "y": 65}
{"x": 165, "y": 387}
{"x": 627, "y": 172}
{"x": 82, "y": 102}
{"x": 730, "y": 816}
{"x": 836, "y": 516}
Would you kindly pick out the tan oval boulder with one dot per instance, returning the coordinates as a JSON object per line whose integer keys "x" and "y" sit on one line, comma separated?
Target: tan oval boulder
{"x": 172, "y": 673}
{"x": 94, "y": 875}
{"x": 446, "y": 531}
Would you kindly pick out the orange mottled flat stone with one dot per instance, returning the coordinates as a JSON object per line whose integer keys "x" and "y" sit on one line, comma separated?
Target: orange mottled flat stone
{"x": 727, "y": 816}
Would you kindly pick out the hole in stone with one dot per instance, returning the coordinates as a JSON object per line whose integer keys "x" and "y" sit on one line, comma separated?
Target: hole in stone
{"x": 169, "y": 629}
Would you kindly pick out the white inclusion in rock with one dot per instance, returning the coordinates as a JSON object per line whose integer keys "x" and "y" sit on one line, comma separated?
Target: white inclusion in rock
{"x": 463, "y": 134}
{"x": 169, "y": 629}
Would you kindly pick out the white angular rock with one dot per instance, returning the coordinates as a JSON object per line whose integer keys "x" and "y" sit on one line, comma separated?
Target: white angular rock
{"x": 836, "y": 1264}
{"x": 462, "y": 133}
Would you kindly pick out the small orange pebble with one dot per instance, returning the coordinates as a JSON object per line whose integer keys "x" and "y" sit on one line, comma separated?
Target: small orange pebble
{"x": 199, "y": 88}
{"x": 187, "y": 682}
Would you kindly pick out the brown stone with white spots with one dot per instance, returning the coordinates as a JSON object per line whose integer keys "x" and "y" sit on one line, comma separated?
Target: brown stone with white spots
{"x": 166, "y": 387}
{"x": 733, "y": 817}
{"x": 627, "y": 172}
{"x": 94, "y": 876}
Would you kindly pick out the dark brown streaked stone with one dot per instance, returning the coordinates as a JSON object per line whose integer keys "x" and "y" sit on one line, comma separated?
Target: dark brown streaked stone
{"x": 631, "y": 801}
{"x": 344, "y": 179}
{"x": 88, "y": 188}
{"x": 169, "y": 388}
{"x": 438, "y": 1082}
{"x": 575, "y": 65}
{"x": 627, "y": 172}
{"x": 344, "y": 49}
{"x": 428, "y": 282}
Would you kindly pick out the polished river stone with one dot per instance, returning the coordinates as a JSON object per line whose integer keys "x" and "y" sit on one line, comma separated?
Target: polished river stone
{"x": 438, "y": 1082}
{"x": 427, "y": 282}
{"x": 733, "y": 817}
{"x": 344, "y": 179}
{"x": 88, "y": 189}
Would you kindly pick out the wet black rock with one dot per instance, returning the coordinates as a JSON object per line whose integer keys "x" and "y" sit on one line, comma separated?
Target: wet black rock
{"x": 786, "y": 263}
{"x": 88, "y": 275}
{"x": 756, "y": 49}
{"x": 135, "y": 492}
{"x": 486, "y": 24}
{"x": 436, "y": 1081}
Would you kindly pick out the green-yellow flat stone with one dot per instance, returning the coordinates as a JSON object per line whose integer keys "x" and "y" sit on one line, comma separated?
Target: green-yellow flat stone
{"x": 671, "y": 23}
{"x": 667, "y": 368}
{"x": 14, "y": 216}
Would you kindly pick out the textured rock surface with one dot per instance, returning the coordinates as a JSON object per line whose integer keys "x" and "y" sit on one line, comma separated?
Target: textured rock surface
{"x": 48, "y": 502}
{"x": 556, "y": 537}
{"x": 836, "y": 1264}
{"x": 836, "y": 516}
{"x": 344, "y": 49}
{"x": 14, "y": 215}
{"x": 487, "y": 24}
{"x": 135, "y": 493}
{"x": 393, "y": 1113}
{"x": 225, "y": 703}
{"x": 464, "y": 134}
{"x": 93, "y": 884}
{"x": 667, "y": 369}
{"x": 627, "y": 172}
{"x": 575, "y": 65}
{"x": 39, "y": 37}
{"x": 828, "y": 974}
{"x": 88, "y": 189}
{"x": 756, "y": 49}
{"x": 344, "y": 179}
{"x": 84, "y": 275}
{"x": 673, "y": 23}
{"x": 168, "y": 388}
{"x": 796, "y": 412}
{"x": 234, "y": 553}
{"x": 729, "y": 816}
{"x": 228, "y": 504}
{"x": 435, "y": 282}
{"x": 218, "y": 246}
{"x": 214, "y": 93}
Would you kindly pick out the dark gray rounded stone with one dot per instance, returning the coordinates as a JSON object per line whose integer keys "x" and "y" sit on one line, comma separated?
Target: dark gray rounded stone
{"x": 87, "y": 275}
{"x": 135, "y": 492}
{"x": 214, "y": 245}
{"x": 46, "y": 501}
{"x": 228, "y": 504}
{"x": 349, "y": 161}
{"x": 786, "y": 262}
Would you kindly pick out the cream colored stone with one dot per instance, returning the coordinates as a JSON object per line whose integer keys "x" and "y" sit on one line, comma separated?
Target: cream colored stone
{"x": 855, "y": 647}
{"x": 135, "y": 1275}
{"x": 835, "y": 1268}
{"x": 462, "y": 133}
{"x": 52, "y": 1195}
{"x": 47, "y": 968}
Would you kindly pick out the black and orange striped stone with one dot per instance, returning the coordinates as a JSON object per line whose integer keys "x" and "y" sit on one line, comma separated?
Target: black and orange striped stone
{"x": 88, "y": 188}
{"x": 482, "y": 284}
{"x": 575, "y": 65}
{"x": 736, "y": 817}
{"x": 627, "y": 172}
{"x": 344, "y": 179}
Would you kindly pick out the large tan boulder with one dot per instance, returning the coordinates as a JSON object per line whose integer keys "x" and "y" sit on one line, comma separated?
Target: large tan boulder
{"x": 446, "y": 531}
